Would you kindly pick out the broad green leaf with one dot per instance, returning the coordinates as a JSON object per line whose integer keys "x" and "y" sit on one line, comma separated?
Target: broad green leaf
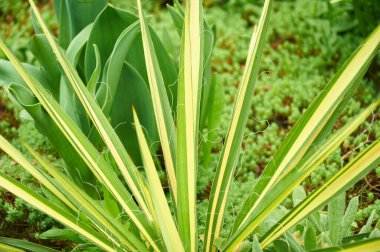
{"x": 346, "y": 177}
{"x": 74, "y": 15}
{"x": 44, "y": 123}
{"x": 115, "y": 50}
{"x": 167, "y": 226}
{"x": 63, "y": 19}
{"x": 74, "y": 165}
{"x": 78, "y": 44}
{"x": 123, "y": 82}
{"x": 39, "y": 46}
{"x": 113, "y": 70}
{"x": 82, "y": 13}
{"x": 8, "y": 74}
{"x": 231, "y": 149}
{"x": 106, "y": 29}
{"x": 122, "y": 119}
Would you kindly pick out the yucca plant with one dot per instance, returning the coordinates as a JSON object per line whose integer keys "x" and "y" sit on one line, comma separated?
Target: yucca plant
{"x": 104, "y": 65}
{"x": 133, "y": 212}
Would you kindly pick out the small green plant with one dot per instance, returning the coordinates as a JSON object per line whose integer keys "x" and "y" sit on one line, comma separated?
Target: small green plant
{"x": 132, "y": 210}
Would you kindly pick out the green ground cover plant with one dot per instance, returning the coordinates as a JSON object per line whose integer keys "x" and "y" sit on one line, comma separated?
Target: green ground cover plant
{"x": 219, "y": 241}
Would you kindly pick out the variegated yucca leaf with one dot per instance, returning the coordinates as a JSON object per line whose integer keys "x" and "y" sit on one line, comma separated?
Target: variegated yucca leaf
{"x": 188, "y": 111}
{"x": 346, "y": 177}
{"x": 231, "y": 148}
{"x": 86, "y": 150}
{"x": 100, "y": 121}
{"x": 313, "y": 123}
{"x": 133, "y": 211}
{"x": 163, "y": 112}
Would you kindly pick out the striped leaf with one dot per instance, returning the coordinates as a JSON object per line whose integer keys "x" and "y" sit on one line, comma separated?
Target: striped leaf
{"x": 92, "y": 209}
{"x": 189, "y": 91}
{"x": 292, "y": 179}
{"x": 30, "y": 168}
{"x": 346, "y": 177}
{"x": 161, "y": 207}
{"x": 54, "y": 211}
{"x": 311, "y": 125}
{"x": 84, "y": 148}
{"x": 231, "y": 149}
{"x": 161, "y": 105}
{"x": 105, "y": 129}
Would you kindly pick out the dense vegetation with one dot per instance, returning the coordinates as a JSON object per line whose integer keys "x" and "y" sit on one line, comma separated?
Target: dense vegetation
{"x": 307, "y": 42}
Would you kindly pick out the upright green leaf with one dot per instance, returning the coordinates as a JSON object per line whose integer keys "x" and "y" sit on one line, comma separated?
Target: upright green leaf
{"x": 368, "y": 226}
{"x": 310, "y": 239}
{"x": 335, "y": 217}
{"x": 188, "y": 114}
{"x": 63, "y": 19}
{"x": 349, "y": 216}
{"x": 74, "y": 15}
{"x": 39, "y": 46}
{"x": 231, "y": 149}
{"x": 161, "y": 105}
{"x": 82, "y": 13}
{"x": 105, "y": 129}
{"x": 168, "y": 228}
